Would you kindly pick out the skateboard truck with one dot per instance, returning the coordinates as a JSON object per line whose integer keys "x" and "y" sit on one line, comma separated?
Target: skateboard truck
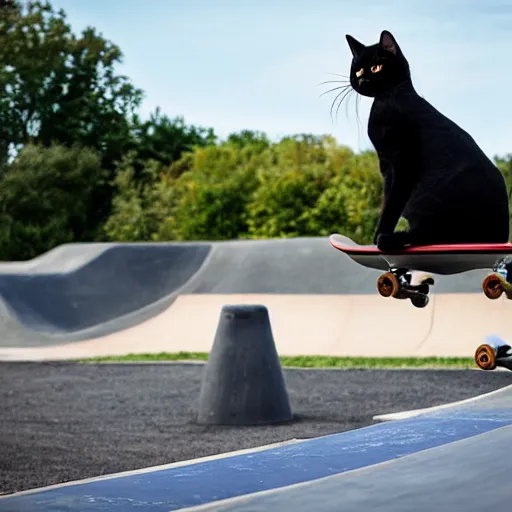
{"x": 493, "y": 353}
{"x": 401, "y": 283}
{"x": 401, "y": 269}
{"x": 498, "y": 282}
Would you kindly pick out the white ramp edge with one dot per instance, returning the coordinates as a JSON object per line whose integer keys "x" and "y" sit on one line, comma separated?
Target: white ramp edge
{"x": 403, "y": 415}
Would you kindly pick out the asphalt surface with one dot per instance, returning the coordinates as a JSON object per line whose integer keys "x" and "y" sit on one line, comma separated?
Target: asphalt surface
{"x": 63, "y": 422}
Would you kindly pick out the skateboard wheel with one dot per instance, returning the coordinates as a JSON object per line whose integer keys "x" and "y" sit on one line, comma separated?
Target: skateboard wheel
{"x": 492, "y": 286}
{"x": 485, "y": 357}
{"x": 387, "y": 285}
{"x": 419, "y": 301}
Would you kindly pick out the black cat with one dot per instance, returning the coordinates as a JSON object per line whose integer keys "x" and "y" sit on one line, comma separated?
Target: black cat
{"x": 435, "y": 175}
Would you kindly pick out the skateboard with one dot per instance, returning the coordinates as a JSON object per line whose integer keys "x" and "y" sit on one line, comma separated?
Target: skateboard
{"x": 495, "y": 352}
{"x": 407, "y": 274}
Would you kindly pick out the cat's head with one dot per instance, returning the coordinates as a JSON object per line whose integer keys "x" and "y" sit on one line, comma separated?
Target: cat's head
{"x": 378, "y": 68}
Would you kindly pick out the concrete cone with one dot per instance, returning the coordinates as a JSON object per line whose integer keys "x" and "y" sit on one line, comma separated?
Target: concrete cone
{"x": 243, "y": 382}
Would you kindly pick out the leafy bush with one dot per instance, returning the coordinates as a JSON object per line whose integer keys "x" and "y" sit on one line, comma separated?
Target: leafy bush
{"x": 44, "y": 198}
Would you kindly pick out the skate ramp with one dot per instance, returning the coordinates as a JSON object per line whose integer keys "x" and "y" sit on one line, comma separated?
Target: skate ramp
{"x": 447, "y": 457}
{"x": 81, "y": 291}
{"x": 74, "y": 289}
{"x": 283, "y": 266}
{"x": 469, "y": 475}
{"x": 452, "y": 458}
{"x": 298, "y": 266}
{"x": 85, "y": 300}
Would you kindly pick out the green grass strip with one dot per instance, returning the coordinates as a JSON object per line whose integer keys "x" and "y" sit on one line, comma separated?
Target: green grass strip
{"x": 307, "y": 361}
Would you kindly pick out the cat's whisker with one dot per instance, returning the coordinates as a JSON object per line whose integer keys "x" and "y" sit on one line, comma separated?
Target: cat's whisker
{"x": 344, "y": 87}
{"x": 335, "y": 82}
{"x": 342, "y": 93}
{"x": 359, "y": 125}
{"x": 341, "y": 101}
{"x": 333, "y": 103}
{"x": 358, "y": 98}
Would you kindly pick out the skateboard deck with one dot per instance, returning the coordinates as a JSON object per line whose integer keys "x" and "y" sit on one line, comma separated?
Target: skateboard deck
{"x": 437, "y": 259}
{"x": 407, "y": 273}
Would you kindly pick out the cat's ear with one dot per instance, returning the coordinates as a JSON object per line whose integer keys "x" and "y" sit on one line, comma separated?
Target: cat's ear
{"x": 387, "y": 42}
{"x": 355, "y": 46}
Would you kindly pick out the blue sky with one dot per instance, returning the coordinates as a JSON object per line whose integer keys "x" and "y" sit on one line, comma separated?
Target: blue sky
{"x": 257, "y": 64}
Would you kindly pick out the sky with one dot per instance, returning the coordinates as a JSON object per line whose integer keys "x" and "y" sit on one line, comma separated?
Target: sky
{"x": 258, "y": 64}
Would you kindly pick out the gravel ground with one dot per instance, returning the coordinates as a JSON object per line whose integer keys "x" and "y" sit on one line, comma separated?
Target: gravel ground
{"x": 63, "y": 422}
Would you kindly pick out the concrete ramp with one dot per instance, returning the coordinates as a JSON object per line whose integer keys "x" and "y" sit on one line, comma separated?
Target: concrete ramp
{"x": 283, "y": 266}
{"x": 85, "y": 291}
{"x": 85, "y": 300}
{"x": 76, "y": 291}
{"x": 453, "y": 458}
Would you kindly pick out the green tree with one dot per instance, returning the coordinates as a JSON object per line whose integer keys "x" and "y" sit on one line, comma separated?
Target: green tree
{"x": 258, "y": 141}
{"x": 211, "y": 197}
{"x": 141, "y": 206}
{"x": 206, "y": 199}
{"x": 288, "y": 191}
{"x": 44, "y": 198}
{"x": 208, "y": 208}
{"x": 246, "y": 187}
{"x": 56, "y": 87}
{"x": 351, "y": 203}
{"x": 281, "y": 204}
{"x": 165, "y": 140}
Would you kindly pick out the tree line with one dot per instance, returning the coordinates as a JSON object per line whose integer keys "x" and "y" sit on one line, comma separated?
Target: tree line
{"x": 78, "y": 164}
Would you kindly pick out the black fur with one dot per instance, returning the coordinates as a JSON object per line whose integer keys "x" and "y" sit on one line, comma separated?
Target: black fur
{"x": 435, "y": 175}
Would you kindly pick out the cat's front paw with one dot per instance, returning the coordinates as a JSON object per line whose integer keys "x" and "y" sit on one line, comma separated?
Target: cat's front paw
{"x": 392, "y": 241}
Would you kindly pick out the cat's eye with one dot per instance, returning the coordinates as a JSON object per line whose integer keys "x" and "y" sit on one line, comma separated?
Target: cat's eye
{"x": 376, "y": 69}
{"x": 360, "y": 72}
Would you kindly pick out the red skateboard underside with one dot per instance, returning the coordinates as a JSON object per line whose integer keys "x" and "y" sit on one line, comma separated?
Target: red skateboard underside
{"x": 441, "y": 259}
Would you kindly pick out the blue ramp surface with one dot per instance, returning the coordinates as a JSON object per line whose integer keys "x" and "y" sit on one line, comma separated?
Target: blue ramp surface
{"x": 470, "y": 475}
{"x": 204, "y": 482}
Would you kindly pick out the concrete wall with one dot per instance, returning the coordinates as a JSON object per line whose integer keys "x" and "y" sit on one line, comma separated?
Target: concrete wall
{"x": 338, "y": 325}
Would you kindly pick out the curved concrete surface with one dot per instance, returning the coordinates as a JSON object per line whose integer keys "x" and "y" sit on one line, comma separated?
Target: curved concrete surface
{"x": 82, "y": 290}
{"x": 455, "y": 453}
{"x": 86, "y": 300}
{"x": 467, "y": 473}
{"x": 402, "y": 415}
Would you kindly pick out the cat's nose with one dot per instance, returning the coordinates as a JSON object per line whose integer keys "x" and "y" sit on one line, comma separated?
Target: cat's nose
{"x": 362, "y": 80}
